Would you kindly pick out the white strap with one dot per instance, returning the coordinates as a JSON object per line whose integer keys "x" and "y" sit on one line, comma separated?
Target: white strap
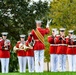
{"x": 62, "y": 44}
{"x": 53, "y": 44}
{"x": 71, "y": 45}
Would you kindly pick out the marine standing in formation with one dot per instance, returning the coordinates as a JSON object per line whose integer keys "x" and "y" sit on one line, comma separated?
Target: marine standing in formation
{"x": 53, "y": 50}
{"x": 61, "y": 50}
{"x": 5, "y": 46}
{"x": 38, "y": 36}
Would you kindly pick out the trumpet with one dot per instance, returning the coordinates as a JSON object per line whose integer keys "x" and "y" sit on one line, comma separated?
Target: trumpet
{"x": 74, "y": 39}
{"x": 56, "y": 32}
{"x": 6, "y": 44}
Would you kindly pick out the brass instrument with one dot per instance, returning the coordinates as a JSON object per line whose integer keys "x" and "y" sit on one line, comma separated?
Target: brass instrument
{"x": 56, "y": 32}
{"x": 6, "y": 44}
{"x": 74, "y": 38}
{"x": 22, "y": 46}
{"x": 15, "y": 48}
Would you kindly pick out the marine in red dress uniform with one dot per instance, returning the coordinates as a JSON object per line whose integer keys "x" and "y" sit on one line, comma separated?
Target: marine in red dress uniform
{"x": 39, "y": 46}
{"x": 61, "y": 50}
{"x": 30, "y": 56}
{"x": 71, "y": 50}
{"x": 21, "y": 53}
{"x": 5, "y": 47}
{"x": 53, "y": 50}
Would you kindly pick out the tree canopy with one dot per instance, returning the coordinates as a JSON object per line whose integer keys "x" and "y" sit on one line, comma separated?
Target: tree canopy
{"x": 63, "y": 13}
{"x": 18, "y": 16}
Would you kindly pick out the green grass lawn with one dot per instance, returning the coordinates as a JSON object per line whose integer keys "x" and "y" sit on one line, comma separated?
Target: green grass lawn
{"x": 45, "y": 73}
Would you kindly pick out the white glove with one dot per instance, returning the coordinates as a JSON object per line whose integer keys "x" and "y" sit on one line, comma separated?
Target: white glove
{"x": 5, "y": 48}
{"x": 48, "y": 23}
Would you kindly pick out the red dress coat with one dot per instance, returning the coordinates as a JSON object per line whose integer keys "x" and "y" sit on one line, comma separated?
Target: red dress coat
{"x": 30, "y": 53}
{"x": 38, "y": 44}
{"x": 62, "y": 47}
{"x": 4, "y": 53}
{"x": 20, "y": 52}
{"x": 53, "y": 44}
{"x": 71, "y": 49}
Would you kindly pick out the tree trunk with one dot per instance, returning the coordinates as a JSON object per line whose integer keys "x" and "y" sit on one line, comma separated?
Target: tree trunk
{"x": 48, "y": 66}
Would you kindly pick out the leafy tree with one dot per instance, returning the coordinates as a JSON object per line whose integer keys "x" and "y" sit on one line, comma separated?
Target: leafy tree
{"x": 63, "y": 13}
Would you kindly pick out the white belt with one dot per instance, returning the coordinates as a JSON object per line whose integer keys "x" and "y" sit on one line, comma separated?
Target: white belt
{"x": 71, "y": 45}
{"x": 53, "y": 44}
{"x": 62, "y": 44}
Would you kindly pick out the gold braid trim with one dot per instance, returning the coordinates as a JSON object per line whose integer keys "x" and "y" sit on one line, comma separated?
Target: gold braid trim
{"x": 39, "y": 35}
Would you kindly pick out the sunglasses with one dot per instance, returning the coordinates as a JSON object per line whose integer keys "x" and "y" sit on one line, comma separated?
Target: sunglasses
{"x": 4, "y": 35}
{"x": 53, "y": 31}
{"x": 62, "y": 31}
{"x": 21, "y": 37}
{"x": 71, "y": 33}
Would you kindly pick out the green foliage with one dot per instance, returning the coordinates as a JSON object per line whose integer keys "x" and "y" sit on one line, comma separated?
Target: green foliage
{"x": 47, "y": 47}
{"x": 63, "y": 13}
{"x": 18, "y": 16}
